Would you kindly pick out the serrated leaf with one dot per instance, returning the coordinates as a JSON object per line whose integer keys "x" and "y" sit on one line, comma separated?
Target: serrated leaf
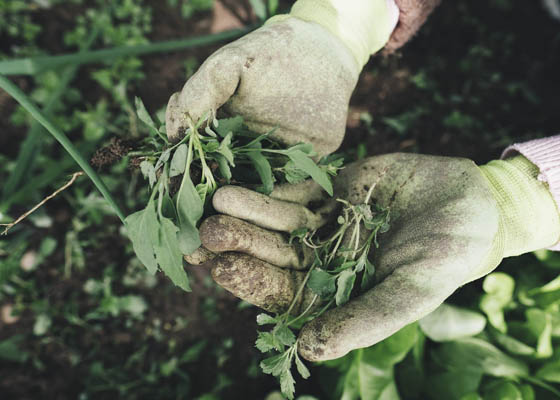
{"x": 322, "y": 283}
{"x": 284, "y": 335}
{"x": 168, "y": 254}
{"x": 265, "y": 319}
{"x": 344, "y": 283}
{"x": 274, "y": 365}
{"x": 287, "y": 384}
{"x": 149, "y": 172}
{"x": 142, "y": 228}
{"x": 302, "y": 369}
{"x": 264, "y": 170}
{"x": 179, "y": 161}
{"x": 265, "y": 342}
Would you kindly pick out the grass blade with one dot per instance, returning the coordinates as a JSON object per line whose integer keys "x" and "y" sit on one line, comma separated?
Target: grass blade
{"x": 31, "y": 146}
{"x": 22, "y": 98}
{"x": 31, "y": 66}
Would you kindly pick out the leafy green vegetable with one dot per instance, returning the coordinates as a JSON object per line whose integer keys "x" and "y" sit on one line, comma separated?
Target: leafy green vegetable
{"x": 499, "y": 292}
{"x": 448, "y": 322}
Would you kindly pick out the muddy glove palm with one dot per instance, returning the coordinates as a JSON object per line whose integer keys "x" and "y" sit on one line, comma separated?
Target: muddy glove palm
{"x": 453, "y": 222}
{"x": 294, "y": 75}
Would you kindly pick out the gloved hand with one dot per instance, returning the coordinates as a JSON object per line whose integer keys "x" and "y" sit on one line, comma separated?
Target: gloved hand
{"x": 295, "y": 74}
{"x": 453, "y": 222}
{"x": 412, "y": 15}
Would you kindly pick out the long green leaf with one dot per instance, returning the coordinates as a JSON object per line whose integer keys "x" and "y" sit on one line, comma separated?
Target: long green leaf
{"x": 30, "y": 147}
{"x": 22, "y": 98}
{"x": 31, "y": 66}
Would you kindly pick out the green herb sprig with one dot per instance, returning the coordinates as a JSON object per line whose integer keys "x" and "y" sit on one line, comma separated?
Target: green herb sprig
{"x": 208, "y": 156}
{"x": 338, "y": 261}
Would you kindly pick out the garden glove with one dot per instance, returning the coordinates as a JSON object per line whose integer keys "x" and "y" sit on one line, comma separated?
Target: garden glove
{"x": 452, "y": 222}
{"x": 294, "y": 75}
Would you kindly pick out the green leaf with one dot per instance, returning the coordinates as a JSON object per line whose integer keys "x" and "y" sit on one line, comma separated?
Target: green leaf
{"x": 163, "y": 158}
{"x": 392, "y": 350}
{"x": 453, "y": 385}
{"x": 448, "y": 322}
{"x": 265, "y": 319}
{"x": 499, "y": 292}
{"x": 546, "y": 294}
{"x": 188, "y": 237}
{"x": 368, "y": 278}
{"x": 266, "y": 342}
{"x": 502, "y": 390}
{"x": 322, "y": 283}
{"x": 189, "y": 209}
{"x": 169, "y": 256}
{"x": 540, "y": 324}
{"x": 10, "y": 349}
{"x": 264, "y": 170}
{"x": 179, "y": 161}
{"x": 228, "y": 125}
{"x": 142, "y": 228}
{"x": 471, "y": 354}
{"x": 144, "y": 116}
{"x": 292, "y": 174}
{"x": 511, "y": 344}
{"x": 149, "y": 172}
{"x": 549, "y": 258}
{"x": 287, "y": 384}
{"x": 284, "y": 335}
{"x": 550, "y": 372}
{"x": 305, "y": 163}
{"x": 223, "y": 165}
{"x": 225, "y": 149}
{"x": 344, "y": 283}
{"x": 259, "y": 7}
{"x": 302, "y": 369}
{"x": 275, "y": 365}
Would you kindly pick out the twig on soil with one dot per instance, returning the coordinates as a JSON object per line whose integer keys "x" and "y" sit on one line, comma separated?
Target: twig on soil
{"x": 54, "y": 194}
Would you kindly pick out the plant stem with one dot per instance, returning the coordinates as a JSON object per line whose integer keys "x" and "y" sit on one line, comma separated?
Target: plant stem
{"x": 31, "y": 66}
{"x": 26, "y": 103}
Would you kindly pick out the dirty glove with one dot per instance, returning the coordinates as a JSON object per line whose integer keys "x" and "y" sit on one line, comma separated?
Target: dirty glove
{"x": 452, "y": 223}
{"x": 295, "y": 74}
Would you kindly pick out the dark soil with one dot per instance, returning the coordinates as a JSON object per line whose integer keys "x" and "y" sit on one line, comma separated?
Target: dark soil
{"x": 508, "y": 86}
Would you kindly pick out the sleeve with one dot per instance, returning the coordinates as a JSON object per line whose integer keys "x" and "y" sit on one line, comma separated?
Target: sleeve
{"x": 545, "y": 154}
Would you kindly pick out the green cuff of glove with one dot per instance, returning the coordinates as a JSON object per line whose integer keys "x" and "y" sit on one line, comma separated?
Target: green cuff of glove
{"x": 364, "y": 26}
{"x": 529, "y": 217}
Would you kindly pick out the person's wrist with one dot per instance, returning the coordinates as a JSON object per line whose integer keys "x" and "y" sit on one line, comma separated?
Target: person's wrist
{"x": 529, "y": 216}
{"x": 364, "y": 26}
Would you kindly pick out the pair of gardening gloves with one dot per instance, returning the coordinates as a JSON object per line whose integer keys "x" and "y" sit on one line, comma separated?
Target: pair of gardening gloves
{"x": 452, "y": 221}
